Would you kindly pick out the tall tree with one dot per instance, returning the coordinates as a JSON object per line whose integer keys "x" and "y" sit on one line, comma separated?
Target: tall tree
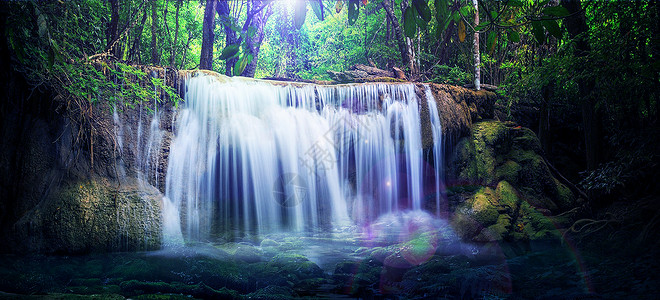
{"x": 208, "y": 36}
{"x": 155, "y": 54}
{"x": 404, "y": 50}
{"x": 260, "y": 11}
{"x": 112, "y": 33}
{"x": 576, "y": 26}
{"x": 475, "y": 48}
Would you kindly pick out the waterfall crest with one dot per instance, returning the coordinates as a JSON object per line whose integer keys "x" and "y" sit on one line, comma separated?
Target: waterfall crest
{"x": 256, "y": 156}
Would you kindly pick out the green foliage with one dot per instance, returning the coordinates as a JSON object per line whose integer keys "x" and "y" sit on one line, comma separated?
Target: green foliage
{"x": 450, "y": 75}
{"x": 58, "y": 56}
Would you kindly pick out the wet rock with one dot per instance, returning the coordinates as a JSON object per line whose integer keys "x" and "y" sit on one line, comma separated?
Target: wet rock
{"x": 508, "y": 158}
{"x": 296, "y": 265}
{"x": 93, "y": 215}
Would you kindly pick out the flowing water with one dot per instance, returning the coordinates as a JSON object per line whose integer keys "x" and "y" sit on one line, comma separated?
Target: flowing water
{"x": 259, "y": 157}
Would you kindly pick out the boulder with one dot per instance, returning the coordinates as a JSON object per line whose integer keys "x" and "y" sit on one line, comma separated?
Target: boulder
{"x": 92, "y": 215}
{"x": 511, "y": 190}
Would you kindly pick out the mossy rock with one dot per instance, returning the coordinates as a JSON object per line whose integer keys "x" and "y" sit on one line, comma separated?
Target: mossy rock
{"x": 495, "y": 152}
{"x": 481, "y": 207}
{"x": 500, "y": 215}
{"x": 296, "y": 265}
{"x": 509, "y": 171}
{"x": 94, "y": 215}
{"x": 508, "y": 197}
{"x": 273, "y": 292}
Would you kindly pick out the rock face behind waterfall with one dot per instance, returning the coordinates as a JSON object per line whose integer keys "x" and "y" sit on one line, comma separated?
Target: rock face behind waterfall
{"x": 66, "y": 191}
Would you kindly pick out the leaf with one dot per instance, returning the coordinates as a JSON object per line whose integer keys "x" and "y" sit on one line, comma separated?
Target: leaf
{"x": 557, "y": 11}
{"x": 353, "y": 11}
{"x": 299, "y": 14}
{"x": 229, "y": 52}
{"x": 461, "y": 31}
{"x": 422, "y": 9}
{"x": 456, "y": 16}
{"x": 339, "y": 6}
{"x": 241, "y": 64}
{"x": 552, "y": 27}
{"x": 409, "y": 22}
{"x": 491, "y": 41}
{"x": 317, "y": 7}
{"x": 465, "y": 10}
{"x": 441, "y": 10}
{"x": 17, "y": 47}
{"x": 481, "y": 26}
{"x": 513, "y": 36}
{"x": 251, "y": 31}
{"x": 537, "y": 30}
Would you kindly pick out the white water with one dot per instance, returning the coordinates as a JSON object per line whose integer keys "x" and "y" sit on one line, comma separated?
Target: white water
{"x": 251, "y": 156}
{"x": 438, "y": 163}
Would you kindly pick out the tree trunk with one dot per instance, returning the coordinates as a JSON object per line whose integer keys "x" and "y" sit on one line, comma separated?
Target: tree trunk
{"x": 475, "y": 48}
{"x": 113, "y": 28}
{"x": 208, "y": 36}
{"x": 155, "y": 57}
{"x": 400, "y": 39}
{"x": 575, "y": 25}
{"x": 135, "y": 49}
{"x": 544, "y": 117}
{"x": 230, "y": 35}
{"x": 253, "y": 44}
{"x": 176, "y": 33}
{"x": 410, "y": 49}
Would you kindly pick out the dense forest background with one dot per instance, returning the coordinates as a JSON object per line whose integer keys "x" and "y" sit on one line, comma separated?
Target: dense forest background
{"x": 582, "y": 74}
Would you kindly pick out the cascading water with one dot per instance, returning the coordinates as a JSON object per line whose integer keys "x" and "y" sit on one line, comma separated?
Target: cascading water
{"x": 438, "y": 163}
{"x": 253, "y": 156}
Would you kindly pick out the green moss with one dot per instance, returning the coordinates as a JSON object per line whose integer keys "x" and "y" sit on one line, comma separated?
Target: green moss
{"x": 483, "y": 210}
{"x": 536, "y": 226}
{"x": 527, "y": 140}
{"x": 507, "y": 196}
{"x": 296, "y": 265}
{"x": 493, "y": 133}
{"x": 508, "y": 171}
{"x": 565, "y": 198}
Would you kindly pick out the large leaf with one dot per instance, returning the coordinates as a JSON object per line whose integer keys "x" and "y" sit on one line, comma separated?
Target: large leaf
{"x": 317, "y": 7}
{"x": 537, "y": 30}
{"x": 514, "y": 37}
{"x": 557, "y": 11}
{"x": 242, "y": 63}
{"x": 456, "y": 16}
{"x": 229, "y": 52}
{"x": 299, "y": 14}
{"x": 441, "y": 10}
{"x": 552, "y": 27}
{"x": 481, "y": 26}
{"x": 461, "y": 31}
{"x": 409, "y": 22}
{"x": 353, "y": 11}
{"x": 465, "y": 10}
{"x": 491, "y": 41}
{"x": 422, "y": 9}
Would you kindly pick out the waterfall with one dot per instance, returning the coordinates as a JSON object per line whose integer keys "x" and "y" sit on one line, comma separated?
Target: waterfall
{"x": 438, "y": 163}
{"x": 253, "y": 156}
